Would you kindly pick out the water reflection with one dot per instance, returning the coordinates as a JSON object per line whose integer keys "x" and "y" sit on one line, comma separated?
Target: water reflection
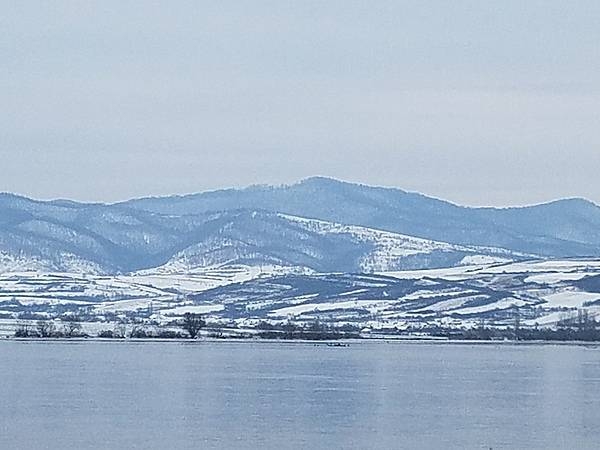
{"x": 292, "y": 395}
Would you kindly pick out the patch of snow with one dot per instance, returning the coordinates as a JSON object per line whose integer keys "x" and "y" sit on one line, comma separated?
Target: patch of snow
{"x": 195, "y": 309}
{"x": 555, "y": 277}
{"x": 331, "y": 306}
{"x": 569, "y": 299}
{"x": 471, "y": 260}
{"x": 450, "y": 304}
{"x": 505, "y": 303}
{"x": 432, "y": 294}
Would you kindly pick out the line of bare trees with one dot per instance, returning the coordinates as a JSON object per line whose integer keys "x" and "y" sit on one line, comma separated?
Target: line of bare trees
{"x": 69, "y": 327}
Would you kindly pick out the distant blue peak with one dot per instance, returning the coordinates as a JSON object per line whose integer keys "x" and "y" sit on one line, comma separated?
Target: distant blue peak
{"x": 321, "y": 180}
{"x": 572, "y": 202}
{"x": 329, "y": 182}
{"x": 316, "y": 182}
{"x": 11, "y": 195}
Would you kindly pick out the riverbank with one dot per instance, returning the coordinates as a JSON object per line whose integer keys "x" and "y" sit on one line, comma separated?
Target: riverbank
{"x": 326, "y": 343}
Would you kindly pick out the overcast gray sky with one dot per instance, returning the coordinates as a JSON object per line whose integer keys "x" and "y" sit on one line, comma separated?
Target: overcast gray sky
{"x": 479, "y": 102}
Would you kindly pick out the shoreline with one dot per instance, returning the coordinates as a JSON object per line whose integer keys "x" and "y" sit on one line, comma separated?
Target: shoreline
{"x": 325, "y": 343}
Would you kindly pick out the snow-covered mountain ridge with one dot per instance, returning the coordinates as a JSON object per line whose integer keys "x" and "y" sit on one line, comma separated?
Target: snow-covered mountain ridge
{"x": 100, "y": 240}
{"x": 319, "y": 225}
{"x": 563, "y": 228}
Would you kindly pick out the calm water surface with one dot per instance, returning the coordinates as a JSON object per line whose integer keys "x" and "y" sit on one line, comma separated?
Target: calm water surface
{"x": 126, "y": 395}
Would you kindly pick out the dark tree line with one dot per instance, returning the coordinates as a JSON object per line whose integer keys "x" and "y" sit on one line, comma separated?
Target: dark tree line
{"x": 315, "y": 331}
{"x": 581, "y": 327}
{"x": 70, "y": 327}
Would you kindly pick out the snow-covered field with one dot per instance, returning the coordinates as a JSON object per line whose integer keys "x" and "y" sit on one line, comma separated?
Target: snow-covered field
{"x": 541, "y": 292}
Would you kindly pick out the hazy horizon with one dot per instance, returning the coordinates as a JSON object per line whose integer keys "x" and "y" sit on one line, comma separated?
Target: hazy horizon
{"x": 481, "y": 104}
{"x": 254, "y": 185}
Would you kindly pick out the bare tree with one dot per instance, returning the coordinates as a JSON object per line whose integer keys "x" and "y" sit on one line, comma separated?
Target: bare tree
{"x": 45, "y": 328}
{"x": 139, "y": 331}
{"x": 517, "y": 330}
{"x": 71, "y": 327}
{"x": 120, "y": 331}
{"x": 23, "y": 330}
{"x": 193, "y": 323}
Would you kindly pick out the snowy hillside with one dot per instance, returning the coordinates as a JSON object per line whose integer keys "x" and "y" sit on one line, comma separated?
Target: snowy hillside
{"x": 321, "y": 224}
{"x": 393, "y": 251}
{"x": 564, "y": 228}
{"x": 98, "y": 239}
{"x": 63, "y": 262}
{"x": 539, "y": 293}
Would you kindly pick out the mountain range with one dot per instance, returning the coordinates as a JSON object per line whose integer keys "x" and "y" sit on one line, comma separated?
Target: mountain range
{"x": 318, "y": 224}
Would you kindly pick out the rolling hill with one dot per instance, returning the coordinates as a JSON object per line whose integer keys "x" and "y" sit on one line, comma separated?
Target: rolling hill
{"x": 564, "y": 228}
{"x": 320, "y": 224}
